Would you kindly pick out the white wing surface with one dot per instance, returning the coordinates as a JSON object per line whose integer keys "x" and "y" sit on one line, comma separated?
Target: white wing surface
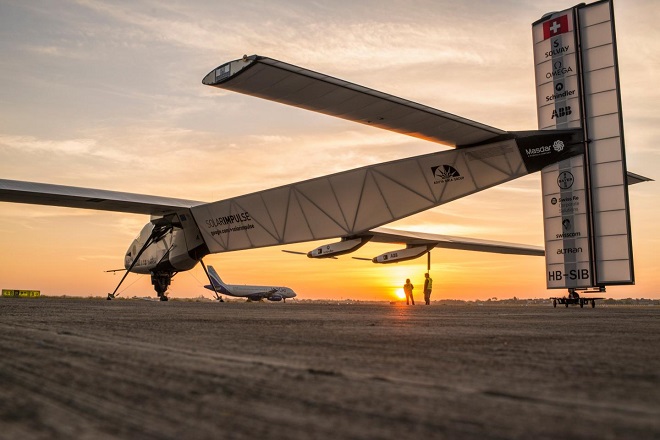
{"x": 288, "y": 84}
{"x": 388, "y": 235}
{"x": 87, "y": 198}
{"x": 351, "y": 203}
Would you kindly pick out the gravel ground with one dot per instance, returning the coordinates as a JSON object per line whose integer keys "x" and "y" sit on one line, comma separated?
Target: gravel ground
{"x": 82, "y": 368}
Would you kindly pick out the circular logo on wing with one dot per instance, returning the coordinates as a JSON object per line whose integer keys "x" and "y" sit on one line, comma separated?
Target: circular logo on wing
{"x": 565, "y": 180}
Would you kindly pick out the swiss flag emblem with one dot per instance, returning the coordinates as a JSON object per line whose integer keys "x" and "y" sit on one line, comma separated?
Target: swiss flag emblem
{"x": 555, "y": 26}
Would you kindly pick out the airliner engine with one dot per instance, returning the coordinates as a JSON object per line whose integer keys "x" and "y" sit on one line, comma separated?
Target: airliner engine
{"x": 342, "y": 247}
{"x": 409, "y": 253}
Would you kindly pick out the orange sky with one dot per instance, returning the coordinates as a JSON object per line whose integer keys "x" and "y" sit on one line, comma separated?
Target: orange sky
{"x": 110, "y": 97}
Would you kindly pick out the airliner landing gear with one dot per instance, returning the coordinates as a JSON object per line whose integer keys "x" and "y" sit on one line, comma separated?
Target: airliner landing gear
{"x": 161, "y": 281}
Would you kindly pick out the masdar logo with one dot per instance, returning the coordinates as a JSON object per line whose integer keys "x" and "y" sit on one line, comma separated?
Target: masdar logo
{"x": 446, "y": 173}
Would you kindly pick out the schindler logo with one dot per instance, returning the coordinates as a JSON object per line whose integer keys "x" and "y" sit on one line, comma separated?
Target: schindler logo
{"x": 560, "y": 93}
{"x": 446, "y": 173}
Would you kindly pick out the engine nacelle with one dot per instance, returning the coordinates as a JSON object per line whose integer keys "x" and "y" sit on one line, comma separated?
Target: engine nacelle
{"x": 409, "y": 253}
{"x": 345, "y": 246}
{"x": 275, "y": 298}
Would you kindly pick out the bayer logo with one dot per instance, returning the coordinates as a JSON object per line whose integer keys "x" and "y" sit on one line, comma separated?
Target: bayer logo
{"x": 565, "y": 180}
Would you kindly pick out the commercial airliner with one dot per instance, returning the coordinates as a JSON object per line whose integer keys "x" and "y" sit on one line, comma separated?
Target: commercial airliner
{"x": 351, "y": 205}
{"x": 252, "y": 293}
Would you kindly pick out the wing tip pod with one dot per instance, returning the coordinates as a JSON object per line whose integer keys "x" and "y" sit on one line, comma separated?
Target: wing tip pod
{"x": 227, "y": 70}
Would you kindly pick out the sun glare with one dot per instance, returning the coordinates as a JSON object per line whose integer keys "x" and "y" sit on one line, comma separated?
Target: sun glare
{"x": 400, "y": 293}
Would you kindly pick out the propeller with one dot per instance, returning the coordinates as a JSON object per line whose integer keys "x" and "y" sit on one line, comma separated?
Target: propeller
{"x": 303, "y": 253}
{"x": 114, "y": 270}
{"x": 294, "y": 252}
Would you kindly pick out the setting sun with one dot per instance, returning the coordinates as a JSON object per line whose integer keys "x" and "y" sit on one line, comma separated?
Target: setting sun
{"x": 399, "y": 293}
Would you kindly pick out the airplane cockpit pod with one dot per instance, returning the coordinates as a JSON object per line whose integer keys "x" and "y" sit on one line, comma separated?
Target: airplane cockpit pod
{"x": 163, "y": 245}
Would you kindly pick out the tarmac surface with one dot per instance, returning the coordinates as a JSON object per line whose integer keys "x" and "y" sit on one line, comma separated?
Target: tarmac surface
{"x": 94, "y": 369}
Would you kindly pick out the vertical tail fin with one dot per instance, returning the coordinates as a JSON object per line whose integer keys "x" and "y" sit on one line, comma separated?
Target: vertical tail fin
{"x": 215, "y": 277}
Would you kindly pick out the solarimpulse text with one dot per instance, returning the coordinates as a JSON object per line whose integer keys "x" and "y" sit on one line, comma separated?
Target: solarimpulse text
{"x": 228, "y": 220}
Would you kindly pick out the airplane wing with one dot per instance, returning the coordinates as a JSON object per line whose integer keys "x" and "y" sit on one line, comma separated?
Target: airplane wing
{"x": 15, "y": 191}
{"x": 350, "y": 203}
{"x": 388, "y": 235}
{"x": 288, "y": 84}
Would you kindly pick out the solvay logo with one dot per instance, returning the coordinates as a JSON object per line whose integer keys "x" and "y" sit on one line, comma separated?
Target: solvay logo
{"x": 445, "y": 173}
{"x": 558, "y": 146}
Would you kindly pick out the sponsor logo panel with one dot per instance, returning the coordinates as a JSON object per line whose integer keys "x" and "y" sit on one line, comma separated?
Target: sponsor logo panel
{"x": 566, "y": 111}
{"x": 562, "y": 205}
{"x": 557, "y": 26}
{"x": 445, "y": 173}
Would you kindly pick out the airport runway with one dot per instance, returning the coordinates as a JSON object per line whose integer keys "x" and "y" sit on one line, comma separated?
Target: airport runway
{"x": 93, "y": 369}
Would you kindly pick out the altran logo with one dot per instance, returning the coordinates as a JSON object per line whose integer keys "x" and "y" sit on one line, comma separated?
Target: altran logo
{"x": 446, "y": 173}
{"x": 558, "y": 146}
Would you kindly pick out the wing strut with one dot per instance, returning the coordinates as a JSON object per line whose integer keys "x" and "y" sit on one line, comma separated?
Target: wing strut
{"x": 217, "y": 295}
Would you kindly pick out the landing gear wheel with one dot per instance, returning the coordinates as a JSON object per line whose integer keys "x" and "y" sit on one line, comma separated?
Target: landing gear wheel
{"x": 161, "y": 281}
{"x": 554, "y": 303}
{"x": 593, "y": 303}
{"x": 581, "y": 303}
{"x": 566, "y": 304}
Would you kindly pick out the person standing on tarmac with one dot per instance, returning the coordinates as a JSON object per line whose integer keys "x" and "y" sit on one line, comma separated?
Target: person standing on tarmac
{"x": 428, "y": 287}
{"x": 408, "y": 290}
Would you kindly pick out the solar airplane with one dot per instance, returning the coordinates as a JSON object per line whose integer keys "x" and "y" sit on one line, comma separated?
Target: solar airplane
{"x": 350, "y": 206}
